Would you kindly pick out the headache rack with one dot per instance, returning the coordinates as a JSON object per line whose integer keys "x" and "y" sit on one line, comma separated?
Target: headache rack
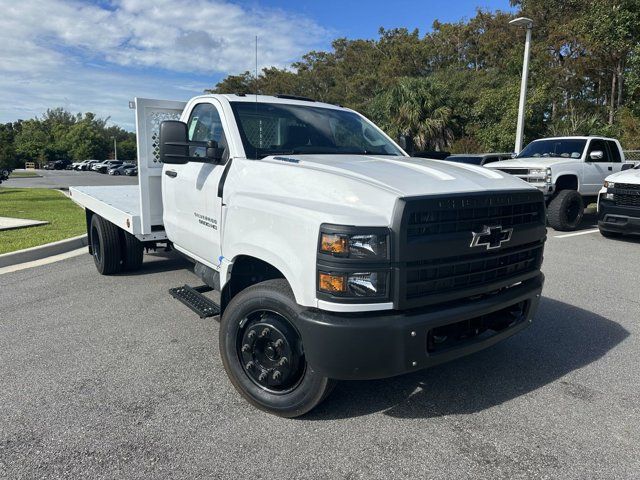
{"x": 436, "y": 262}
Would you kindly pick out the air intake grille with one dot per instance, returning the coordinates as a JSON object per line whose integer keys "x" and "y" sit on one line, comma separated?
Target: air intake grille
{"x": 436, "y": 259}
{"x": 469, "y": 214}
{"x": 460, "y": 272}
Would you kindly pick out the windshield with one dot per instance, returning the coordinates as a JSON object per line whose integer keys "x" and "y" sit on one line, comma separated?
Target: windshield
{"x": 567, "y": 148}
{"x": 280, "y": 129}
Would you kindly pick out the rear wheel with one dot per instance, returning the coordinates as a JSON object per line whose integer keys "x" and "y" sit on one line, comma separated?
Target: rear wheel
{"x": 263, "y": 355}
{"x": 105, "y": 245}
{"x": 565, "y": 211}
{"x": 132, "y": 251}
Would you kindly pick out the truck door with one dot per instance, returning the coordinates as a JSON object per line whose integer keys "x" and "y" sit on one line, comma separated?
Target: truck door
{"x": 616, "y": 158}
{"x": 192, "y": 210}
{"x": 595, "y": 171}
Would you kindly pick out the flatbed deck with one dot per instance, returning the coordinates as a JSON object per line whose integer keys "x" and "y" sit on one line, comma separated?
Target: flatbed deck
{"x": 120, "y": 205}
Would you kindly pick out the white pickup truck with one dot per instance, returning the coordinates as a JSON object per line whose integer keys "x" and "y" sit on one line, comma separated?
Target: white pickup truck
{"x": 569, "y": 171}
{"x": 619, "y": 204}
{"x": 336, "y": 255}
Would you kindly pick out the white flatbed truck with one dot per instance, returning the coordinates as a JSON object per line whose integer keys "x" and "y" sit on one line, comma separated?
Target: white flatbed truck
{"x": 336, "y": 255}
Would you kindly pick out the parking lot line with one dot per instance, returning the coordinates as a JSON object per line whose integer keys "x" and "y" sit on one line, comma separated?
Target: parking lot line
{"x": 576, "y": 234}
{"x": 43, "y": 261}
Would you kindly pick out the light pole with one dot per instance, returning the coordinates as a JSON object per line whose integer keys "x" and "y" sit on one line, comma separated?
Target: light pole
{"x": 528, "y": 24}
{"x": 115, "y": 148}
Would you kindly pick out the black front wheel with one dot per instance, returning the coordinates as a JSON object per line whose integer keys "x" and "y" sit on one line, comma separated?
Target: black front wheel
{"x": 565, "y": 211}
{"x": 263, "y": 354}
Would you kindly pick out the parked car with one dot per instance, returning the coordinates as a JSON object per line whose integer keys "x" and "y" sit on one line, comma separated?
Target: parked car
{"x": 79, "y": 165}
{"x": 478, "y": 158}
{"x": 568, "y": 170}
{"x": 120, "y": 169}
{"x": 106, "y": 165}
{"x": 88, "y": 166}
{"x": 337, "y": 255}
{"x": 131, "y": 172}
{"x": 619, "y": 203}
{"x": 56, "y": 165}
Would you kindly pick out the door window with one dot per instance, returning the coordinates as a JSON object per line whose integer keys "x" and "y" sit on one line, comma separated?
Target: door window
{"x": 205, "y": 125}
{"x": 615, "y": 152}
{"x": 598, "y": 145}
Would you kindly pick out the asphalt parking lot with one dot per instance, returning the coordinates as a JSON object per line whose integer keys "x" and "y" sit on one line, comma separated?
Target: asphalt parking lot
{"x": 68, "y": 178}
{"x": 109, "y": 377}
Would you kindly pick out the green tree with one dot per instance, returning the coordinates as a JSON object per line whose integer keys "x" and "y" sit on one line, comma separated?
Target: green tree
{"x": 418, "y": 108}
{"x": 86, "y": 138}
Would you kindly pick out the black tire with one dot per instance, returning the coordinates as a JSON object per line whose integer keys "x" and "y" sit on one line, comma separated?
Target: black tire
{"x": 270, "y": 306}
{"x": 132, "y": 251}
{"x": 116, "y": 173}
{"x": 565, "y": 211}
{"x": 105, "y": 245}
{"x": 608, "y": 234}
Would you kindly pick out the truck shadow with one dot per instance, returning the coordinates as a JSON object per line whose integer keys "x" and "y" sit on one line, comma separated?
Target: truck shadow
{"x": 158, "y": 262}
{"x": 562, "y": 338}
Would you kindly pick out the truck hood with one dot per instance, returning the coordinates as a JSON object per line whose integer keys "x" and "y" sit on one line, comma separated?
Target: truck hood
{"x": 531, "y": 162}
{"x": 403, "y": 176}
{"x": 628, "y": 176}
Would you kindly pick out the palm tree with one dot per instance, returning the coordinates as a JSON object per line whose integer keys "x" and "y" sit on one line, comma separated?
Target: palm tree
{"x": 414, "y": 107}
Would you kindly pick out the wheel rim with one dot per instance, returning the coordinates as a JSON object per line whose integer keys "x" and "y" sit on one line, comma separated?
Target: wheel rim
{"x": 269, "y": 351}
{"x": 95, "y": 244}
{"x": 573, "y": 211}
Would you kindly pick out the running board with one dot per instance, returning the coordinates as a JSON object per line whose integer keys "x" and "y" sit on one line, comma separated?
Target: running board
{"x": 192, "y": 297}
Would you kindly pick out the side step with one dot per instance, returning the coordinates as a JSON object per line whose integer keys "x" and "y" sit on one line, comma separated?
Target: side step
{"x": 192, "y": 297}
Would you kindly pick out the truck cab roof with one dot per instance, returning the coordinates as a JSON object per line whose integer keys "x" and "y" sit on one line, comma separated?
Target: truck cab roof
{"x": 281, "y": 99}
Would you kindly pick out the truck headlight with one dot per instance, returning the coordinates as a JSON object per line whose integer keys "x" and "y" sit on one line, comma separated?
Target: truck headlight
{"x": 354, "y": 263}
{"x": 356, "y": 284}
{"x": 354, "y": 245}
{"x": 608, "y": 195}
{"x": 542, "y": 173}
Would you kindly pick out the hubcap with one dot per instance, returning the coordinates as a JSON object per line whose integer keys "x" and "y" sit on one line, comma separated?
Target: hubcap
{"x": 573, "y": 211}
{"x": 95, "y": 244}
{"x": 268, "y": 348}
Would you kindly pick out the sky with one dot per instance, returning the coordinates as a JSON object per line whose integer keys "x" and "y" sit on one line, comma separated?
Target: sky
{"x": 98, "y": 55}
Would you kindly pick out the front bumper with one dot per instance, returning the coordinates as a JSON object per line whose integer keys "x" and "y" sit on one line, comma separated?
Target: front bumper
{"x": 370, "y": 346}
{"x": 612, "y": 218}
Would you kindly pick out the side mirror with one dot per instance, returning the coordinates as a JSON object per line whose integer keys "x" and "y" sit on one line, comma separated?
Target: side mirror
{"x": 626, "y": 166}
{"x": 174, "y": 143}
{"x": 596, "y": 155}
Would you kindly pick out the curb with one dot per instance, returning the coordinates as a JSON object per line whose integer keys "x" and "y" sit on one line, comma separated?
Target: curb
{"x": 43, "y": 251}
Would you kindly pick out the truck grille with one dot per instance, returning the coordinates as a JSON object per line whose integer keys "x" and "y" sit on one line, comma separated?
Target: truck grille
{"x": 626, "y": 195}
{"x": 435, "y": 257}
{"x": 515, "y": 171}
{"x": 628, "y": 186}
{"x": 454, "y": 273}
{"x": 623, "y": 200}
{"x": 463, "y": 215}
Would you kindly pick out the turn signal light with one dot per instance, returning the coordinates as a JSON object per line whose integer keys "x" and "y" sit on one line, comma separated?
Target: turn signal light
{"x": 332, "y": 283}
{"x": 334, "y": 243}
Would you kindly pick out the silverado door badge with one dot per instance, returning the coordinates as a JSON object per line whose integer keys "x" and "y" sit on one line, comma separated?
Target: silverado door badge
{"x": 491, "y": 237}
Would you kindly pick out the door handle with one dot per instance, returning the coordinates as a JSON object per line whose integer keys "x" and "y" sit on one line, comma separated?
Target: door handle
{"x": 610, "y": 168}
{"x": 171, "y": 173}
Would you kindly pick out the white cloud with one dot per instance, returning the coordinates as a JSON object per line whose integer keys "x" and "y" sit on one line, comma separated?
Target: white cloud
{"x": 95, "y": 57}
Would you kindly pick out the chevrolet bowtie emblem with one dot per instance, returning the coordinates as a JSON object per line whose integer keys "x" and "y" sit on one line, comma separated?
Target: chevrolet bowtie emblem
{"x": 491, "y": 237}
